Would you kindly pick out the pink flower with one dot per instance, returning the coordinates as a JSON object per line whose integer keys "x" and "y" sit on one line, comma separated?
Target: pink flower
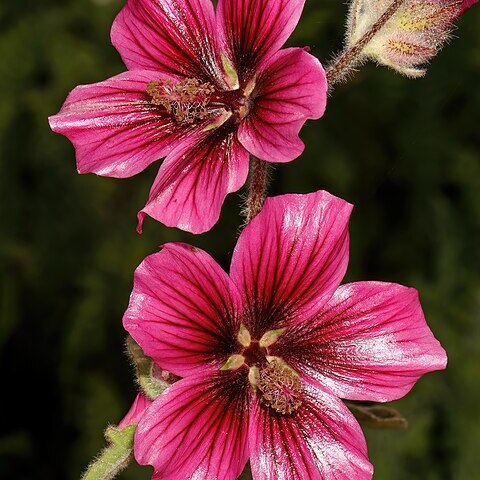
{"x": 140, "y": 404}
{"x": 204, "y": 89}
{"x": 267, "y": 352}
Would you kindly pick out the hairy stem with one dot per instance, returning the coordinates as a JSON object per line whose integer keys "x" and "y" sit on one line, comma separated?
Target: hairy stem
{"x": 350, "y": 57}
{"x": 257, "y": 188}
{"x": 114, "y": 458}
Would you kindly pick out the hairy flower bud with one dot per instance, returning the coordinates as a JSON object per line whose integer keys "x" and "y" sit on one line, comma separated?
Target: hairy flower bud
{"x": 411, "y": 36}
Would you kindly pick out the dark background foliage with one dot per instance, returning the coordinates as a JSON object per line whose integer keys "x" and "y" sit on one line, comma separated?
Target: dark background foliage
{"x": 405, "y": 152}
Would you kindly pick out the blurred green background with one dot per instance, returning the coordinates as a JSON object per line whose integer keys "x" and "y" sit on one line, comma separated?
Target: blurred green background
{"x": 405, "y": 152}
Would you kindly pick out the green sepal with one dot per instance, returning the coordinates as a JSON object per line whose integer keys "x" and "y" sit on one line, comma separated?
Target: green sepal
{"x": 148, "y": 377}
{"x": 377, "y": 416}
{"x": 115, "y": 457}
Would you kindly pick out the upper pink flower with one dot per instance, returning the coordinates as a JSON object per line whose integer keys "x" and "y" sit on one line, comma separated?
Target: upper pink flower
{"x": 268, "y": 351}
{"x": 204, "y": 89}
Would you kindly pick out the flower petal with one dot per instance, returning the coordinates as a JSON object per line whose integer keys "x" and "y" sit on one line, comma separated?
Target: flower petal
{"x": 291, "y": 258}
{"x": 320, "y": 441}
{"x": 193, "y": 181}
{"x": 291, "y": 89}
{"x": 140, "y": 404}
{"x": 466, "y": 5}
{"x": 371, "y": 342}
{"x": 256, "y": 29}
{"x": 183, "y": 310}
{"x": 197, "y": 429}
{"x": 116, "y": 130}
{"x": 173, "y": 36}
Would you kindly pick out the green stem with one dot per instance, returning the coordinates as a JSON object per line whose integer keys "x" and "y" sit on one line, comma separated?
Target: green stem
{"x": 114, "y": 458}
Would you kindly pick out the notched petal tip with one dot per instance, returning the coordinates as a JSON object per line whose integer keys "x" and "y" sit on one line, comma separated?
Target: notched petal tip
{"x": 370, "y": 342}
{"x": 292, "y": 88}
{"x": 193, "y": 181}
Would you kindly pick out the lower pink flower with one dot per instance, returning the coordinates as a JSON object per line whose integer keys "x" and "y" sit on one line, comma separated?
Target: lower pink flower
{"x": 267, "y": 352}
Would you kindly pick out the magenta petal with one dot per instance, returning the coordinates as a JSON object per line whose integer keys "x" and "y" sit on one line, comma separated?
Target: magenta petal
{"x": 193, "y": 181}
{"x": 183, "y": 310}
{"x": 320, "y": 441}
{"x": 291, "y": 258}
{"x": 291, "y": 89}
{"x": 256, "y": 29}
{"x": 115, "y": 129}
{"x": 371, "y": 342}
{"x": 197, "y": 429}
{"x": 466, "y": 5}
{"x": 173, "y": 36}
{"x": 140, "y": 404}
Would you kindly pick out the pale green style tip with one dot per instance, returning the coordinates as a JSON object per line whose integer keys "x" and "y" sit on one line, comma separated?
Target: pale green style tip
{"x": 244, "y": 337}
{"x": 282, "y": 363}
{"x": 270, "y": 337}
{"x": 230, "y": 72}
{"x": 218, "y": 122}
{"x": 254, "y": 377}
{"x": 234, "y": 362}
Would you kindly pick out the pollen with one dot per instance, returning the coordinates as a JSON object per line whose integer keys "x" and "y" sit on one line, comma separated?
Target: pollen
{"x": 186, "y": 101}
{"x": 280, "y": 387}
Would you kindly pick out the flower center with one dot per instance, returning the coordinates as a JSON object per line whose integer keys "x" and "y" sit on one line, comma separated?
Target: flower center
{"x": 278, "y": 384}
{"x": 186, "y": 101}
{"x": 190, "y": 100}
{"x": 254, "y": 354}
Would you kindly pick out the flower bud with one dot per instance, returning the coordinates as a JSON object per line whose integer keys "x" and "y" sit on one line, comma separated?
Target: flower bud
{"x": 413, "y": 34}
